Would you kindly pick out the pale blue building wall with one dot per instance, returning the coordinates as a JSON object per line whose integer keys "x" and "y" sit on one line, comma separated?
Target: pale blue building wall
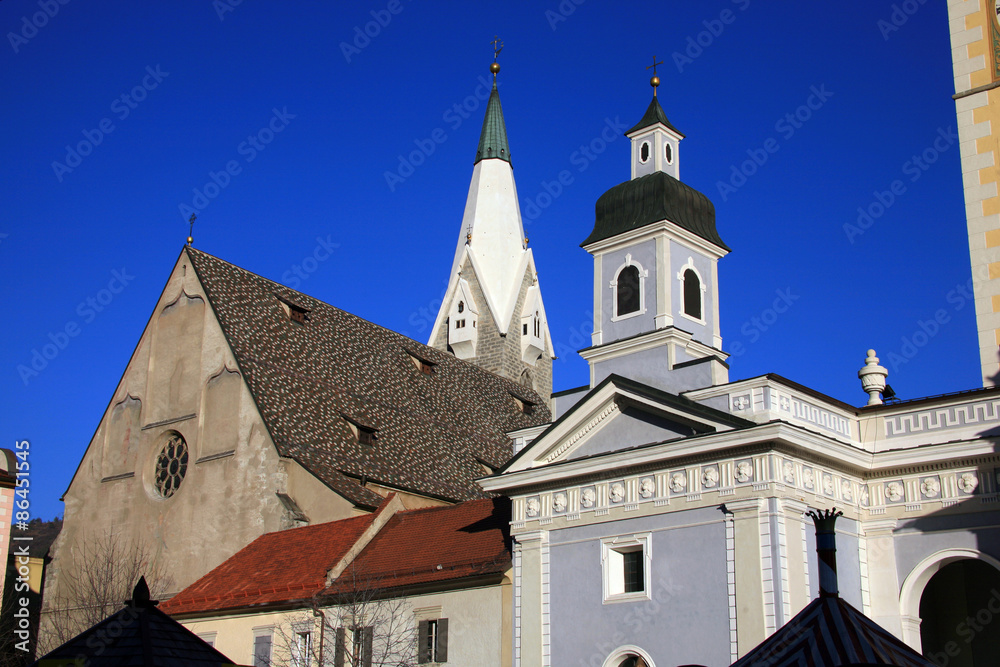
{"x": 687, "y": 620}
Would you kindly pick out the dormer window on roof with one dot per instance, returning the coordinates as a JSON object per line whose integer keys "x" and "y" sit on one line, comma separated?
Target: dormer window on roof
{"x": 294, "y": 312}
{"x": 423, "y": 365}
{"x": 524, "y": 405}
{"x": 365, "y": 435}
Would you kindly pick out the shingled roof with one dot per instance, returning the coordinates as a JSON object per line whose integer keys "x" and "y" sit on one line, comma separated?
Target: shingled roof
{"x": 311, "y": 381}
{"x": 428, "y": 547}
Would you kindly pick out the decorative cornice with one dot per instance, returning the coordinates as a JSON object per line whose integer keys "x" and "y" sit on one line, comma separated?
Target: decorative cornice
{"x": 664, "y": 227}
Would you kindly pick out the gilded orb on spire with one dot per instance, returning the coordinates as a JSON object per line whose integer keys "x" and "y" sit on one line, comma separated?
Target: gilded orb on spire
{"x": 497, "y": 48}
{"x": 655, "y": 81}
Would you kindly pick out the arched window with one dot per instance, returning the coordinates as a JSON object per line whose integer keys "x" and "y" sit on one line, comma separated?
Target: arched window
{"x": 692, "y": 294}
{"x": 627, "y": 291}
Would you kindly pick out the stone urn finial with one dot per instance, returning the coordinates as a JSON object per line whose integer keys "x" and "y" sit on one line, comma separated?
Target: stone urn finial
{"x": 873, "y": 378}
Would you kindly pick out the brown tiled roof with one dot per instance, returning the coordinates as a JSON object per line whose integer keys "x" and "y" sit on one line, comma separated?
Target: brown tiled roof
{"x": 432, "y": 546}
{"x": 309, "y": 380}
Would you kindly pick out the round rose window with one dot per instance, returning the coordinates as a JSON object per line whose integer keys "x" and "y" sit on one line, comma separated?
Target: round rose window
{"x": 171, "y": 465}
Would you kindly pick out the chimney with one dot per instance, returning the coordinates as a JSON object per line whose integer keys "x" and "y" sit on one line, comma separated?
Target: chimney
{"x": 826, "y": 549}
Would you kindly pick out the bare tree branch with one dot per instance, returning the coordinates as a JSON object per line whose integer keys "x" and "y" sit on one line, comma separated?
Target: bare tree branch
{"x": 104, "y": 571}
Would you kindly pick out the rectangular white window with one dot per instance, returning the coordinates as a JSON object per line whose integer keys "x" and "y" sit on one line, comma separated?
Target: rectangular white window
{"x": 625, "y": 561}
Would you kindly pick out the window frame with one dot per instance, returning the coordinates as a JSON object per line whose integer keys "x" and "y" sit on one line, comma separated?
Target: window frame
{"x": 702, "y": 289}
{"x": 432, "y": 641}
{"x": 613, "y": 566}
{"x": 643, "y": 274}
{"x": 261, "y": 632}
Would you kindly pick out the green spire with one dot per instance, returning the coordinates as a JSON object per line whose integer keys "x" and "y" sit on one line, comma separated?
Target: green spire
{"x": 493, "y": 140}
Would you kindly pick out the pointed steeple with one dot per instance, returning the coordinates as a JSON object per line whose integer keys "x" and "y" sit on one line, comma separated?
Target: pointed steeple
{"x": 492, "y": 312}
{"x": 493, "y": 138}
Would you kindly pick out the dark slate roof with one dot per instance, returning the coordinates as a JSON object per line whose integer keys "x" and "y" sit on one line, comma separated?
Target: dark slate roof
{"x": 654, "y": 114}
{"x": 435, "y": 546}
{"x": 493, "y": 138}
{"x": 829, "y": 632}
{"x": 139, "y": 635}
{"x": 433, "y": 431}
{"x": 650, "y": 199}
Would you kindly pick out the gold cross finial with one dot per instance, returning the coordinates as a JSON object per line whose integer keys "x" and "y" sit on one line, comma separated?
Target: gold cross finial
{"x": 497, "y": 48}
{"x": 191, "y": 228}
{"x": 655, "y": 81}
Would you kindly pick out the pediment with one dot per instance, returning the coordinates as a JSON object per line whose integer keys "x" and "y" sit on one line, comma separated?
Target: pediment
{"x": 617, "y": 415}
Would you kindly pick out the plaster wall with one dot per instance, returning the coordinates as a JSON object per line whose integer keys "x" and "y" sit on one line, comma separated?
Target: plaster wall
{"x": 689, "y": 609}
{"x": 914, "y": 543}
{"x": 652, "y": 367}
{"x": 643, "y": 253}
{"x": 706, "y": 329}
{"x": 478, "y": 627}
{"x": 630, "y": 428}
{"x": 562, "y": 404}
{"x": 227, "y": 497}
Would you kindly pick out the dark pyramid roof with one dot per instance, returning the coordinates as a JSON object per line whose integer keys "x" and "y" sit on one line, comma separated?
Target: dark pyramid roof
{"x": 829, "y": 632}
{"x": 433, "y": 431}
{"x": 649, "y": 199}
{"x": 138, "y": 635}
{"x": 493, "y": 139}
{"x": 654, "y": 114}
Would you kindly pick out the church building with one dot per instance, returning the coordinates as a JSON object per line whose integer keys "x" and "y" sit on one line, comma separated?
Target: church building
{"x": 248, "y": 407}
{"x": 660, "y": 519}
{"x": 657, "y": 513}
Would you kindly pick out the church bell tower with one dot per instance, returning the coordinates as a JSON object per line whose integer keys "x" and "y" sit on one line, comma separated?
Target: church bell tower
{"x": 492, "y": 313}
{"x": 656, "y": 251}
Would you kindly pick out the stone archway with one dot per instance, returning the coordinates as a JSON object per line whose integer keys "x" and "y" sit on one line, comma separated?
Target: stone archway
{"x": 950, "y": 608}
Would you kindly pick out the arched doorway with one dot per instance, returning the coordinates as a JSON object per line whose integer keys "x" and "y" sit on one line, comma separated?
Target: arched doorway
{"x": 960, "y": 614}
{"x": 629, "y": 656}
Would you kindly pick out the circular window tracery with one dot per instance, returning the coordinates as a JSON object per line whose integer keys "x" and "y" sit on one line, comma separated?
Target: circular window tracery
{"x": 171, "y": 466}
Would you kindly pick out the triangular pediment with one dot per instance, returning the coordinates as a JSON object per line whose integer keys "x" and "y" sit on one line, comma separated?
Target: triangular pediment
{"x": 616, "y": 415}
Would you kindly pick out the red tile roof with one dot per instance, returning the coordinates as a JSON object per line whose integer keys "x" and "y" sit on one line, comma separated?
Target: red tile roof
{"x": 276, "y": 567}
{"x": 434, "y": 545}
{"x": 424, "y": 546}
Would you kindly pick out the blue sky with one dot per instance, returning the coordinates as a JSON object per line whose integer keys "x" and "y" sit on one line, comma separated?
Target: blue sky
{"x": 116, "y": 116}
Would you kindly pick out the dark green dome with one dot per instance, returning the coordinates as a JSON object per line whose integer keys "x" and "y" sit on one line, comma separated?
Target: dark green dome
{"x": 650, "y": 199}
